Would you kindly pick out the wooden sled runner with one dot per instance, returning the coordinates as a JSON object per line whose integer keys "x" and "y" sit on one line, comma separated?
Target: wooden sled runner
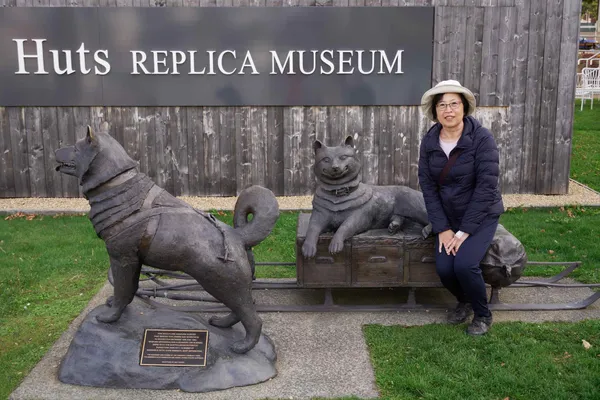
{"x": 191, "y": 291}
{"x": 370, "y": 261}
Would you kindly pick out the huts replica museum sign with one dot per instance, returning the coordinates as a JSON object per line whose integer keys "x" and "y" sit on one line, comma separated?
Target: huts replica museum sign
{"x": 215, "y": 56}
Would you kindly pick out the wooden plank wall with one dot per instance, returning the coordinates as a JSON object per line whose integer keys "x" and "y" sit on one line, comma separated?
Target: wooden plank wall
{"x": 518, "y": 57}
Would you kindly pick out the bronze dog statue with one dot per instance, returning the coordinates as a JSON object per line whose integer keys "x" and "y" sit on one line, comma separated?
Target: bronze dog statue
{"x": 342, "y": 203}
{"x": 141, "y": 223}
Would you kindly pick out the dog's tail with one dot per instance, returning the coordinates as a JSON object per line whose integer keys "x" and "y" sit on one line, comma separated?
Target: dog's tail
{"x": 261, "y": 204}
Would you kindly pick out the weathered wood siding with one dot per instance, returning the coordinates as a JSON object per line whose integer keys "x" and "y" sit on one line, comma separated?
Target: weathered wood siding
{"x": 518, "y": 56}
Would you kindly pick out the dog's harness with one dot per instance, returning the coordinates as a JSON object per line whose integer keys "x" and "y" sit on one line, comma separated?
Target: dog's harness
{"x": 326, "y": 200}
{"x": 154, "y": 219}
{"x": 118, "y": 208}
{"x": 116, "y": 181}
{"x": 152, "y": 225}
{"x": 339, "y": 190}
{"x": 342, "y": 191}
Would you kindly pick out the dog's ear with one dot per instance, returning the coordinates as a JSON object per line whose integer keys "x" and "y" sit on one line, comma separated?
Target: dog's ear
{"x": 89, "y": 135}
{"x": 349, "y": 141}
{"x": 317, "y": 145}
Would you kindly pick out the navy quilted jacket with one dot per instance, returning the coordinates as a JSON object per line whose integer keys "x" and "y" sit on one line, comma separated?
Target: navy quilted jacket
{"x": 470, "y": 191}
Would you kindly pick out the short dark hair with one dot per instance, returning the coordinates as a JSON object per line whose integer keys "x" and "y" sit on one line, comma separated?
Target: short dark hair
{"x": 438, "y": 97}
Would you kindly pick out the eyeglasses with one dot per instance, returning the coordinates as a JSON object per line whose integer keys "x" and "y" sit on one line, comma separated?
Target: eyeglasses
{"x": 454, "y": 105}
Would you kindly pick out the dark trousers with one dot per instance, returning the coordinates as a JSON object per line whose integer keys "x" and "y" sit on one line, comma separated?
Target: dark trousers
{"x": 461, "y": 274}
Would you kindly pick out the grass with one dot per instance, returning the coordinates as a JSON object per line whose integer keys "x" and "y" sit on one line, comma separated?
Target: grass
{"x": 558, "y": 234}
{"x": 515, "y": 361}
{"x": 51, "y": 267}
{"x": 585, "y": 155}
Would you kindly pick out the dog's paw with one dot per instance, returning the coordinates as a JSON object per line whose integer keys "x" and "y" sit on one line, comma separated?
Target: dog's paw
{"x": 393, "y": 227}
{"x": 109, "y": 315}
{"x": 309, "y": 250}
{"x": 426, "y": 231}
{"x": 241, "y": 347}
{"x": 336, "y": 245}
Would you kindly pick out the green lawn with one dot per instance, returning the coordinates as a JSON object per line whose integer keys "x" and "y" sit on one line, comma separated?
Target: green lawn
{"x": 514, "y": 361}
{"x": 585, "y": 159}
{"x": 51, "y": 267}
{"x": 558, "y": 234}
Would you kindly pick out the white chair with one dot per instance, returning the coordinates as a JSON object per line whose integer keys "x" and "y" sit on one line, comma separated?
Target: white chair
{"x": 583, "y": 90}
{"x": 593, "y": 79}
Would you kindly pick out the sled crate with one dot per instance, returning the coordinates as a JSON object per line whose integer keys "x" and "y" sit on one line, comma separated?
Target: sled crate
{"x": 370, "y": 259}
{"x": 323, "y": 270}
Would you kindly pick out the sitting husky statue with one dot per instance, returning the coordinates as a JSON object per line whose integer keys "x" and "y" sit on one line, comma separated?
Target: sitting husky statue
{"x": 141, "y": 223}
{"x": 344, "y": 204}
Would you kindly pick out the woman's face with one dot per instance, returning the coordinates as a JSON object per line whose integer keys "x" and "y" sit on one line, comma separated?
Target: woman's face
{"x": 452, "y": 115}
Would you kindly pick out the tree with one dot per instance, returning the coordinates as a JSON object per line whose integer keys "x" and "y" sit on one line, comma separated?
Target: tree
{"x": 589, "y": 8}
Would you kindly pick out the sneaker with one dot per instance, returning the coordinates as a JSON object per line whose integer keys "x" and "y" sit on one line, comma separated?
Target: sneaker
{"x": 460, "y": 313}
{"x": 479, "y": 326}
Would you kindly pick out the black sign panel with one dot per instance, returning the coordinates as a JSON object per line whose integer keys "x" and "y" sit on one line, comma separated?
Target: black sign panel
{"x": 174, "y": 348}
{"x": 215, "y": 56}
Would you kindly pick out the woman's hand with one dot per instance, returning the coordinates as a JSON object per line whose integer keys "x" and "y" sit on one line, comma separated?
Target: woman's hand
{"x": 455, "y": 243}
{"x": 444, "y": 239}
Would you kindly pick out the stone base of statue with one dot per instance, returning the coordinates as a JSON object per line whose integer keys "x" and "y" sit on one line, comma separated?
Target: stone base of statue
{"x": 109, "y": 355}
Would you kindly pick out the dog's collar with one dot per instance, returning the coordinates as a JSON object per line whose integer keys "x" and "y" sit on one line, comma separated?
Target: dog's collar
{"x": 342, "y": 191}
{"x": 114, "y": 182}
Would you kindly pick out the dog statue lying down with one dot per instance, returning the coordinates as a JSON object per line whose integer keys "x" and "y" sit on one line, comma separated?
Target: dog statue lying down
{"x": 141, "y": 223}
{"x": 343, "y": 204}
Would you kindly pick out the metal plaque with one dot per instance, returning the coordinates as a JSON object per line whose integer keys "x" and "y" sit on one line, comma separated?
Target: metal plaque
{"x": 215, "y": 56}
{"x": 174, "y": 348}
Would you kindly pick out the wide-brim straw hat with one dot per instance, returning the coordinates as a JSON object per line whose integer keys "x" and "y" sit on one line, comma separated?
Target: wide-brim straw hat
{"x": 450, "y": 86}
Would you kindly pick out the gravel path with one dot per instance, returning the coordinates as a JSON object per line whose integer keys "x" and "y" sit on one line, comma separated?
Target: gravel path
{"x": 578, "y": 195}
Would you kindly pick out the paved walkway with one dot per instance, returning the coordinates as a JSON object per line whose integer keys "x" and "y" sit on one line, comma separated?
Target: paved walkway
{"x": 319, "y": 354}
